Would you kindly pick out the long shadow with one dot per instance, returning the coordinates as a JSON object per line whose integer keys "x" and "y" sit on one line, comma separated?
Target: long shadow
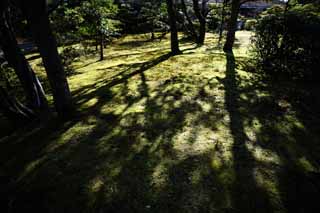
{"x": 105, "y": 89}
{"x": 108, "y": 163}
{"x": 247, "y": 196}
{"x": 288, "y": 132}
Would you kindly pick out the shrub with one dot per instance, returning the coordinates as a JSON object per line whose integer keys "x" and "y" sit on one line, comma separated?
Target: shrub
{"x": 287, "y": 43}
{"x": 68, "y": 55}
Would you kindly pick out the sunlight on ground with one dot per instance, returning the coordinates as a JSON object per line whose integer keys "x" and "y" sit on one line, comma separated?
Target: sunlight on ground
{"x": 159, "y": 133}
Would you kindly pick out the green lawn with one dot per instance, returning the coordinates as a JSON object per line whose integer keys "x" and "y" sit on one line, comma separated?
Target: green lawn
{"x": 197, "y": 132}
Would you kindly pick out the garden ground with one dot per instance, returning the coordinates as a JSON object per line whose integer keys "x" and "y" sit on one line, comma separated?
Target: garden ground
{"x": 198, "y": 132}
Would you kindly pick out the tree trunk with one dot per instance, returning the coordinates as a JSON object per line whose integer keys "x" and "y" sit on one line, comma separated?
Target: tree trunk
{"x": 153, "y": 37}
{"x": 232, "y": 27}
{"x": 173, "y": 27}
{"x": 37, "y": 17}
{"x": 200, "y": 14}
{"x": 101, "y": 47}
{"x": 35, "y": 95}
{"x": 13, "y": 109}
{"x": 97, "y": 41}
{"x": 189, "y": 21}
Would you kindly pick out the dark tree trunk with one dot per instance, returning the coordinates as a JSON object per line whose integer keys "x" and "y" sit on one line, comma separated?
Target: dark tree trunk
{"x": 203, "y": 22}
{"x": 232, "y": 27}
{"x": 173, "y": 27}
{"x": 32, "y": 87}
{"x": 153, "y": 37}
{"x": 13, "y": 109}
{"x": 200, "y": 14}
{"x": 97, "y": 43}
{"x": 37, "y": 17}
{"x": 101, "y": 47}
{"x": 190, "y": 27}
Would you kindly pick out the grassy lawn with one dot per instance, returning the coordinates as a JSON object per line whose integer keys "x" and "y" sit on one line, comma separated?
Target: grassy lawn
{"x": 197, "y": 132}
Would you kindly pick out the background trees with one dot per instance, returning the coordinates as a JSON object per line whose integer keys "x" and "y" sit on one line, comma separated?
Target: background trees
{"x": 98, "y": 21}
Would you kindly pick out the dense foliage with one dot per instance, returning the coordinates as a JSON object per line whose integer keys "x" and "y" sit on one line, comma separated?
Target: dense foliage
{"x": 287, "y": 41}
{"x": 87, "y": 20}
{"x": 147, "y": 16}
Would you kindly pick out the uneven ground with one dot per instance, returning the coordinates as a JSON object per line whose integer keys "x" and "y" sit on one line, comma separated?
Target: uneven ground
{"x": 198, "y": 132}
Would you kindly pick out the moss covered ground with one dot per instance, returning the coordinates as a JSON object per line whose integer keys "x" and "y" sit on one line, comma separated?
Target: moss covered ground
{"x": 197, "y": 132}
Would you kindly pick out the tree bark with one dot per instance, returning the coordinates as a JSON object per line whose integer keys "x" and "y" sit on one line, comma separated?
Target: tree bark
{"x": 173, "y": 27}
{"x": 232, "y": 27}
{"x": 37, "y": 17}
{"x": 35, "y": 95}
{"x": 200, "y": 14}
{"x": 13, "y": 109}
{"x": 189, "y": 21}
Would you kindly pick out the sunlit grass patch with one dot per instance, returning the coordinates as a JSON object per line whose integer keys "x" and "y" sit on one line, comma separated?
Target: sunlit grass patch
{"x": 194, "y": 132}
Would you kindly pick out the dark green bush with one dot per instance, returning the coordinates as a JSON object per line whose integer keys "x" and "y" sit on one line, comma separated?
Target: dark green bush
{"x": 69, "y": 55}
{"x": 287, "y": 43}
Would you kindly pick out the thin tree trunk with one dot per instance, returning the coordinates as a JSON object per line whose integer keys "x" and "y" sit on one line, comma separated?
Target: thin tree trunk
{"x": 190, "y": 27}
{"x": 153, "y": 37}
{"x": 97, "y": 43}
{"x": 101, "y": 47}
{"x": 173, "y": 27}
{"x": 37, "y": 17}
{"x": 203, "y": 22}
{"x": 232, "y": 27}
{"x": 35, "y": 95}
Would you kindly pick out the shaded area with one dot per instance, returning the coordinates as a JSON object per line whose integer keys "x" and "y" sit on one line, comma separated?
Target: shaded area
{"x": 245, "y": 187}
{"x": 189, "y": 133}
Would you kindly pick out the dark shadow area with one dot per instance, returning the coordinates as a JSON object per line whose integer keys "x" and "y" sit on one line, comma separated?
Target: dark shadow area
{"x": 247, "y": 195}
{"x": 285, "y": 130}
{"x": 117, "y": 162}
{"x": 151, "y": 140}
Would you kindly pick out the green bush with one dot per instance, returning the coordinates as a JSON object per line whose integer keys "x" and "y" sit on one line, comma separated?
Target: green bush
{"x": 68, "y": 56}
{"x": 287, "y": 43}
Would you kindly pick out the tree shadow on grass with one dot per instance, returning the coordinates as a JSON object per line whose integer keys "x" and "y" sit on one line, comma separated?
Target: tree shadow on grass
{"x": 283, "y": 146}
{"x": 175, "y": 144}
{"x": 108, "y": 161}
{"x": 288, "y": 133}
{"x": 247, "y": 195}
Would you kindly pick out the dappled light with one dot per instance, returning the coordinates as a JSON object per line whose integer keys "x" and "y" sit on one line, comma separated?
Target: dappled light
{"x": 195, "y": 132}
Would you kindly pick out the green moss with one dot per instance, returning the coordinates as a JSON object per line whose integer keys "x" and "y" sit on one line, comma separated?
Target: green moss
{"x": 164, "y": 134}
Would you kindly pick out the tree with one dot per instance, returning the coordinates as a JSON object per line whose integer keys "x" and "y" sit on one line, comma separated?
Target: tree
{"x": 201, "y": 11}
{"x": 35, "y": 95}
{"x": 9, "y": 104}
{"x": 190, "y": 26}
{"x": 151, "y": 16}
{"x": 232, "y": 25}
{"x": 37, "y": 17}
{"x": 13, "y": 109}
{"x": 98, "y": 21}
{"x": 173, "y": 27}
{"x": 222, "y": 20}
